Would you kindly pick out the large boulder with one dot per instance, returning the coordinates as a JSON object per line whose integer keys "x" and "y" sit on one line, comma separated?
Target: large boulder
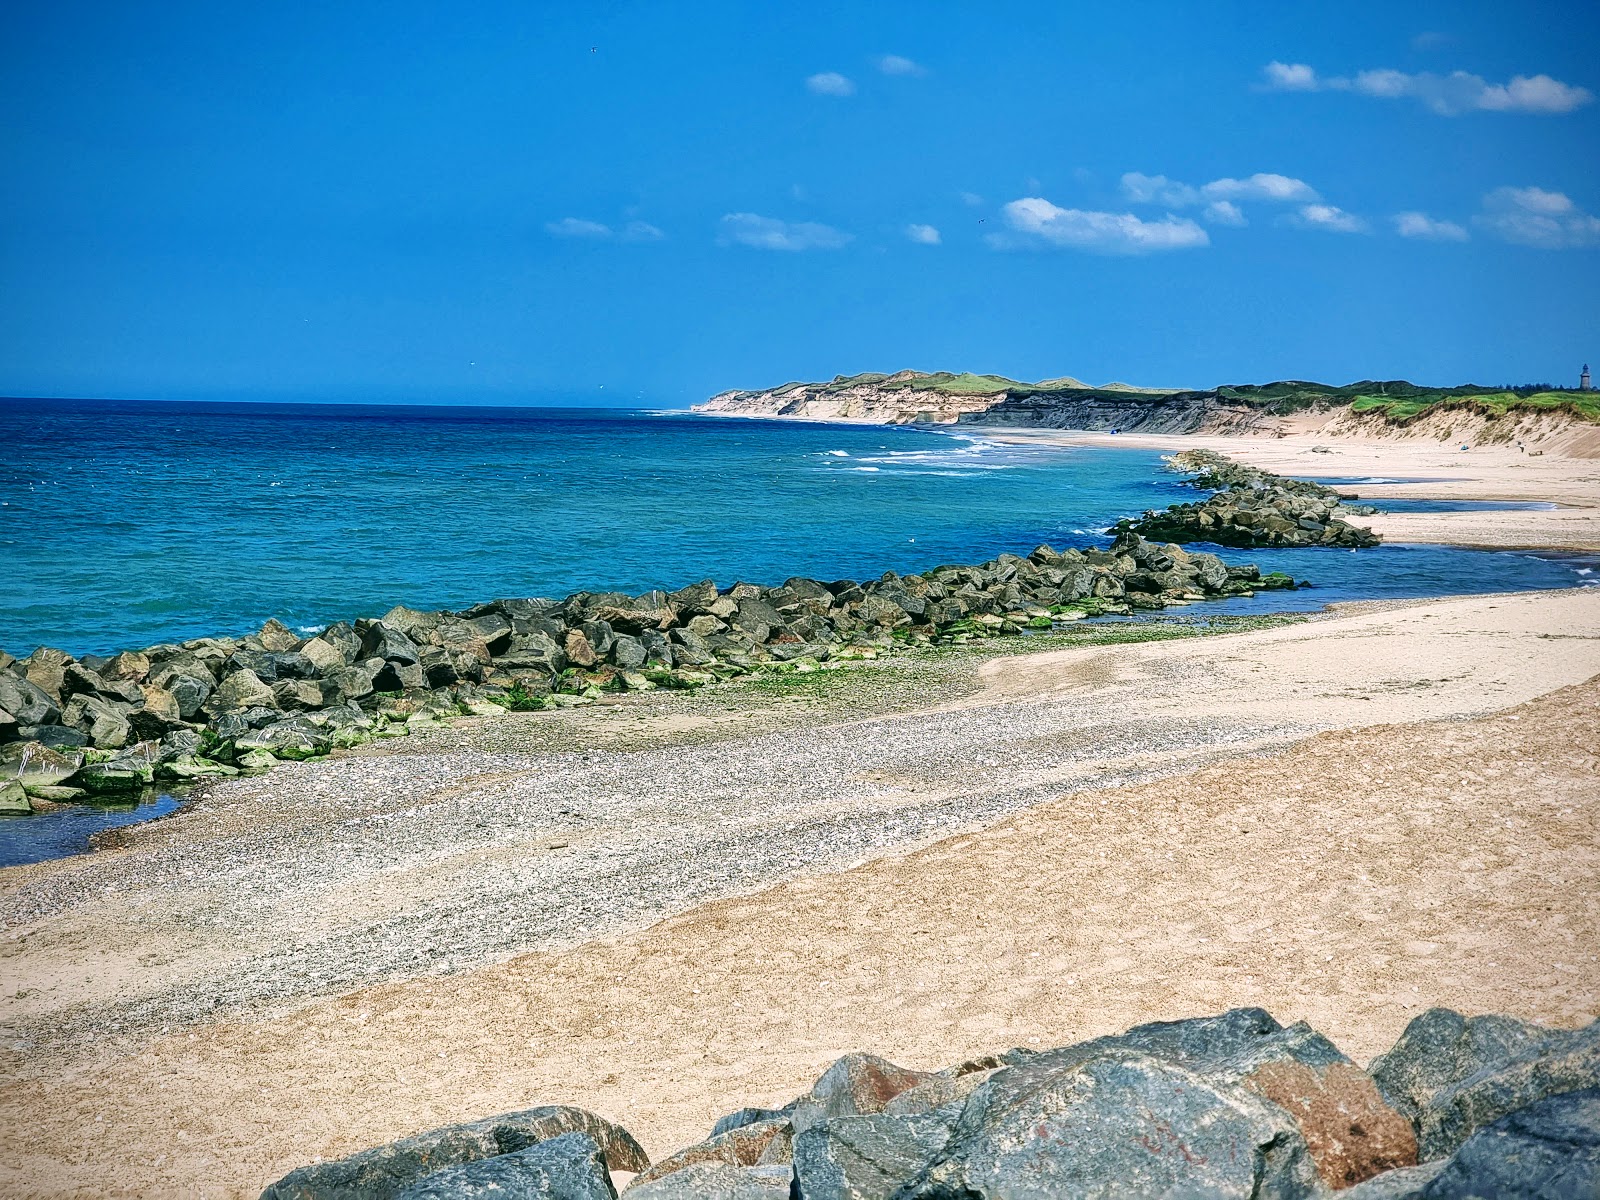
{"x": 33, "y": 764}
{"x": 758, "y": 1143}
{"x": 28, "y": 703}
{"x": 386, "y": 1171}
{"x": 294, "y": 738}
{"x": 855, "y": 1084}
{"x": 1118, "y": 1124}
{"x": 1549, "y": 1150}
{"x": 380, "y": 639}
{"x": 1215, "y": 1104}
{"x": 866, "y": 1157}
{"x": 568, "y": 1167}
{"x": 717, "y": 1181}
{"x": 275, "y": 635}
{"x": 241, "y": 690}
{"x": 1451, "y": 1074}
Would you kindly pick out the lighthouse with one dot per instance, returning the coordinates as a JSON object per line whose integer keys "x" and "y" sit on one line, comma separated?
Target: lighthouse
{"x": 1583, "y": 380}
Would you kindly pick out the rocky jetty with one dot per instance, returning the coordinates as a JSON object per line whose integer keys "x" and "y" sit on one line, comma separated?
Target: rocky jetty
{"x": 1230, "y": 1106}
{"x": 71, "y": 727}
{"x": 1252, "y": 507}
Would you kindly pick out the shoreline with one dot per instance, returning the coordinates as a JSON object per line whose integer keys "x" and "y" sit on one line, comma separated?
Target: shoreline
{"x": 649, "y": 905}
{"x": 654, "y": 1012}
{"x": 1431, "y": 471}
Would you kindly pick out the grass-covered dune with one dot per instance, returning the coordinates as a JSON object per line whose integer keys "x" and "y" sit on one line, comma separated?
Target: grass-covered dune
{"x": 998, "y": 397}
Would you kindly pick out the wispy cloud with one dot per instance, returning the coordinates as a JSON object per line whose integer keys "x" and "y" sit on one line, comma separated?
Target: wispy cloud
{"x": 1531, "y": 216}
{"x": 971, "y": 199}
{"x": 1158, "y": 189}
{"x": 1224, "y": 212}
{"x": 923, "y": 235}
{"x": 1328, "y": 217}
{"x": 1037, "y": 223}
{"x": 577, "y": 227}
{"x": 895, "y": 64}
{"x": 830, "y": 83}
{"x": 1421, "y": 225}
{"x": 769, "y": 233}
{"x": 1448, "y": 95}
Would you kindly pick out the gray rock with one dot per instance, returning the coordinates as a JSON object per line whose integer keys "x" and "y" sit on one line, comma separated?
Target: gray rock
{"x": 866, "y": 1157}
{"x": 1451, "y": 1074}
{"x": 755, "y": 1144}
{"x": 386, "y": 1171}
{"x": 341, "y": 635}
{"x": 569, "y": 1167}
{"x": 34, "y": 764}
{"x": 352, "y": 683}
{"x": 26, "y": 701}
{"x": 57, "y": 737}
{"x": 379, "y": 639}
{"x": 749, "y": 1116}
{"x": 275, "y": 635}
{"x": 295, "y": 738}
{"x": 105, "y": 722}
{"x": 717, "y": 1181}
{"x": 1549, "y": 1150}
{"x": 854, "y": 1085}
{"x": 243, "y": 689}
{"x": 628, "y": 652}
{"x": 1404, "y": 1183}
{"x": 1119, "y": 1124}
{"x": 14, "y": 798}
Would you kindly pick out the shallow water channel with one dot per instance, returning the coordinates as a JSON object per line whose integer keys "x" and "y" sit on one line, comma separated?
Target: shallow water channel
{"x": 67, "y": 829}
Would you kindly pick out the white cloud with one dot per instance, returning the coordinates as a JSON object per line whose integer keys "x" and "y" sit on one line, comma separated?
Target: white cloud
{"x": 1158, "y": 189}
{"x": 971, "y": 199}
{"x": 830, "y": 83}
{"x": 1534, "y": 217}
{"x": 1431, "y": 40}
{"x": 923, "y": 235}
{"x": 1220, "y": 195}
{"x": 769, "y": 233}
{"x": 1037, "y": 222}
{"x": 1326, "y": 216}
{"x": 894, "y": 64}
{"x": 1421, "y": 225}
{"x": 1448, "y": 95}
{"x": 1260, "y": 187}
{"x": 575, "y": 227}
{"x": 1224, "y": 212}
{"x": 1290, "y": 77}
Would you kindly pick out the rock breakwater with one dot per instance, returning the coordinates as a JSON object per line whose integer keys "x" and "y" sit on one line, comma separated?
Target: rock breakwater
{"x": 1251, "y": 507}
{"x": 1232, "y": 1105}
{"x": 75, "y": 727}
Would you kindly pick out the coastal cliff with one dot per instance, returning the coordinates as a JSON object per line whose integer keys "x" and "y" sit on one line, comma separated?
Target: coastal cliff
{"x": 1369, "y": 408}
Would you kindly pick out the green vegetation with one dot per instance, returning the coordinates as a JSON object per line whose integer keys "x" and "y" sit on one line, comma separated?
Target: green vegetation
{"x": 1583, "y": 405}
{"x": 1392, "y": 399}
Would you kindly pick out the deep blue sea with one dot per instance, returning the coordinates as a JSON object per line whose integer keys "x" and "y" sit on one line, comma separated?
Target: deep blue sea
{"x": 124, "y": 524}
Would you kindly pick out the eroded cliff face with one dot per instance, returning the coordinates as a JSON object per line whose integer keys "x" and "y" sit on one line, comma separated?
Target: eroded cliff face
{"x": 1067, "y": 408}
{"x": 1175, "y": 412}
{"x": 866, "y": 403}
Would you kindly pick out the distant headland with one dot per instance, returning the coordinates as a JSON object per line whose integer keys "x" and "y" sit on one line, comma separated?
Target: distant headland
{"x": 1369, "y": 407}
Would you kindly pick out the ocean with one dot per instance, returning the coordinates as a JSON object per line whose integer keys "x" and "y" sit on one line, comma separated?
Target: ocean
{"x": 124, "y": 524}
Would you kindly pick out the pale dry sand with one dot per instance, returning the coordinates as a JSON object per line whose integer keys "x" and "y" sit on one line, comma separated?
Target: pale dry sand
{"x": 1350, "y": 879}
{"x": 1438, "y": 471}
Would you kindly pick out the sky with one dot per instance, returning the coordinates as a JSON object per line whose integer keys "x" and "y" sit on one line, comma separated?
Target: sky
{"x": 647, "y": 203}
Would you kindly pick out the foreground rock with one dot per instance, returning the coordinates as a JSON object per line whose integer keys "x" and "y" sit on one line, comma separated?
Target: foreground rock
{"x": 389, "y": 1171}
{"x": 1232, "y": 1105}
{"x": 1252, "y": 507}
{"x": 213, "y": 706}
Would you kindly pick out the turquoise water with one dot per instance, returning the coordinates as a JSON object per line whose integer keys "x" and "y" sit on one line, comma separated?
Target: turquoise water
{"x": 124, "y": 524}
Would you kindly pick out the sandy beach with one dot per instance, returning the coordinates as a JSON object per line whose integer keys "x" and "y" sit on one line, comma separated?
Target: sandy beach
{"x": 663, "y": 913}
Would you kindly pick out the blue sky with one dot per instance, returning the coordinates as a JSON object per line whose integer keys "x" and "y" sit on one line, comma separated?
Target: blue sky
{"x": 647, "y": 203}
